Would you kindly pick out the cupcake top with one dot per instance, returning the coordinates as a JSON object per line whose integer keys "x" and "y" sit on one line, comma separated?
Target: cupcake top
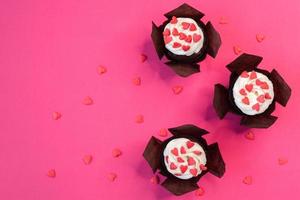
{"x": 184, "y": 159}
{"x": 253, "y": 92}
{"x": 183, "y": 36}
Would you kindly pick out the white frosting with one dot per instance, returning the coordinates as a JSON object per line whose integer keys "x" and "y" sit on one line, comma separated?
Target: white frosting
{"x": 185, "y": 165}
{"x": 257, "y": 100}
{"x": 194, "y": 46}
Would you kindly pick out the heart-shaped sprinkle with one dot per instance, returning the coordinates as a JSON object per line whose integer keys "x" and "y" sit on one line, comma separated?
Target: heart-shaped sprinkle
{"x": 260, "y": 37}
{"x": 268, "y": 96}
{"x": 101, "y": 70}
{"x": 143, "y": 58}
{"x": 185, "y": 25}
{"x": 155, "y": 180}
{"x": 244, "y": 74}
{"x": 191, "y": 161}
{"x": 247, "y": 180}
{"x": 237, "y": 50}
{"x": 245, "y": 100}
{"x": 173, "y": 20}
{"x": 256, "y": 107}
{"x": 185, "y": 47}
{"x": 112, "y": 177}
{"x": 194, "y": 171}
{"x": 250, "y": 135}
{"x": 264, "y": 86}
{"x": 177, "y": 174}
{"x": 258, "y": 82}
{"x": 183, "y": 168}
{"x": 176, "y": 45}
{"x": 243, "y": 92}
{"x": 190, "y": 144}
{"x": 168, "y": 39}
{"x": 282, "y": 161}
{"x": 199, "y": 192}
{"x": 249, "y": 87}
{"x": 196, "y": 37}
{"x": 163, "y": 132}
{"x": 182, "y": 36}
{"x": 177, "y": 89}
{"x": 56, "y": 115}
{"x": 87, "y": 101}
{"x": 188, "y": 39}
{"x": 175, "y": 32}
{"x": 51, "y": 173}
{"x": 139, "y": 119}
{"x": 261, "y": 98}
{"x": 197, "y": 152}
{"x": 179, "y": 159}
{"x": 174, "y": 151}
{"x": 136, "y": 81}
{"x": 193, "y": 27}
{"x": 253, "y": 75}
{"x": 167, "y": 159}
{"x": 182, "y": 150}
{"x": 167, "y": 32}
{"x": 203, "y": 167}
{"x": 87, "y": 159}
{"x": 116, "y": 152}
{"x": 173, "y": 166}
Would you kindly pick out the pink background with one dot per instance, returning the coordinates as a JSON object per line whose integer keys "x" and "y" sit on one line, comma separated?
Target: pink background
{"x": 49, "y": 53}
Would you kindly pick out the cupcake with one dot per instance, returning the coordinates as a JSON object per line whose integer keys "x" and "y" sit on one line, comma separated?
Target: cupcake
{"x": 184, "y": 158}
{"x": 252, "y": 92}
{"x": 185, "y": 40}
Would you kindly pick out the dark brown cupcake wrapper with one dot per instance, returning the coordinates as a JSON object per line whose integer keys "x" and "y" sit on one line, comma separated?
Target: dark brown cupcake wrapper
{"x": 154, "y": 156}
{"x": 223, "y": 97}
{"x": 178, "y": 63}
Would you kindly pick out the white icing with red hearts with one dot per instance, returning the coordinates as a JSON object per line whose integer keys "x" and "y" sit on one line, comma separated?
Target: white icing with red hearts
{"x": 179, "y": 44}
{"x": 253, "y": 92}
{"x": 184, "y": 164}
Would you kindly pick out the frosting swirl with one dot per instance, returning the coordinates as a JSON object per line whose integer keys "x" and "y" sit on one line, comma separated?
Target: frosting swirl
{"x": 184, "y": 159}
{"x": 183, "y": 36}
{"x": 253, "y": 92}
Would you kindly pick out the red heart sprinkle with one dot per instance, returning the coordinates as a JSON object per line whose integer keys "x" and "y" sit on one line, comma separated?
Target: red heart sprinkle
{"x": 167, "y": 39}
{"x": 163, "y": 132}
{"x": 196, "y": 37}
{"x": 143, "y": 58}
{"x": 174, "y": 151}
{"x": 177, "y": 89}
{"x": 264, "y": 86}
{"x": 182, "y": 36}
{"x": 260, "y": 37}
{"x": 244, "y": 74}
{"x": 175, "y": 32}
{"x": 261, "y": 98}
{"x": 167, "y": 32}
{"x": 237, "y": 50}
{"x": 101, "y": 70}
{"x": 203, "y": 167}
{"x": 185, "y": 25}
{"x": 189, "y": 39}
{"x": 185, "y": 48}
{"x": 268, "y": 96}
{"x": 191, "y": 161}
{"x": 247, "y": 180}
{"x": 51, "y": 173}
{"x": 243, "y": 92}
{"x": 199, "y": 192}
{"x": 183, "y": 168}
{"x": 250, "y": 135}
{"x": 249, "y": 87}
{"x": 193, "y": 27}
{"x": 256, "y": 107}
{"x": 182, "y": 150}
{"x": 56, "y": 115}
{"x": 87, "y": 159}
{"x": 139, "y": 119}
{"x": 258, "y": 82}
{"x": 253, "y": 75}
{"x": 197, "y": 152}
{"x": 194, "y": 171}
{"x": 245, "y": 100}
{"x": 111, "y": 176}
{"x": 179, "y": 159}
{"x": 155, "y": 180}
{"x": 282, "y": 161}
{"x": 176, "y": 45}
{"x": 136, "y": 81}
{"x": 173, "y": 166}
{"x": 87, "y": 101}
{"x": 190, "y": 144}
{"x": 116, "y": 152}
{"x": 173, "y": 20}
{"x": 167, "y": 159}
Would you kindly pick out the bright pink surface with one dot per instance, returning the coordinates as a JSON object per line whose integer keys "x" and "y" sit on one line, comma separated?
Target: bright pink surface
{"x": 49, "y": 53}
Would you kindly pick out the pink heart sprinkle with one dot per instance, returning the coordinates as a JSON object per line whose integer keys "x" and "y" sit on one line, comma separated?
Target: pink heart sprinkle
{"x": 196, "y": 37}
{"x": 173, "y": 20}
{"x": 173, "y": 166}
{"x": 247, "y": 180}
{"x": 87, "y": 159}
{"x": 116, "y": 152}
{"x": 256, "y": 107}
{"x": 261, "y": 98}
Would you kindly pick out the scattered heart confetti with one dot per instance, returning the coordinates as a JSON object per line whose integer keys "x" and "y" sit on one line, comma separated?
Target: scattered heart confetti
{"x": 56, "y": 115}
{"x": 173, "y": 20}
{"x": 243, "y": 92}
{"x": 258, "y": 82}
{"x": 116, "y": 152}
{"x": 51, "y": 173}
{"x": 197, "y": 152}
{"x": 88, "y": 101}
{"x": 176, "y": 45}
{"x": 163, "y": 132}
{"x": 250, "y": 135}
{"x": 182, "y": 150}
{"x": 193, "y": 27}
{"x": 203, "y": 167}
{"x": 253, "y": 75}
{"x": 199, "y": 192}
{"x": 136, "y": 81}
{"x": 185, "y": 25}
{"x": 143, "y": 58}
{"x": 249, "y": 87}
{"x": 260, "y": 37}
{"x": 245, "y": 100}
{"x": 167, "y": 159}
{"x": 182, "y": 36}
{"x": 111, "y": 176}
{"x": 247, "y": 180}
{"x": 175, "y": 32}
{"x": 155, "y": 180}
{"x": 168, "y": 39}
{"x": 268, "y": 96}
{"x": 139, "y": 119}
{"x": 264, "y": 85}
{"x": 173, "y": 166}
{"x": 223, "y": 20}
{"x": 237, "y": 50}
{"x": 256, "y": 107}
{"x": 191, "y": 161}
{"x": 177, "y": 89}
{"x": 185, "y": 47}
{"x": 193, "y": 171}
{"x": 174, "y": 151}
{"x": 179, "y": 159}
{"x": 87, "y": 159}
{"x": 244, "y": 74}
{"x": 261, "y": 98}
{"x": 282, "y": 161}
{"x": 101, "y": 70}
{"x": 188, "y": 39}
{"x": 190, "y": 144}
{"x": 196, "y": 37}
{"x": 183, "y": 168}
{"x": 167, "y": 32}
